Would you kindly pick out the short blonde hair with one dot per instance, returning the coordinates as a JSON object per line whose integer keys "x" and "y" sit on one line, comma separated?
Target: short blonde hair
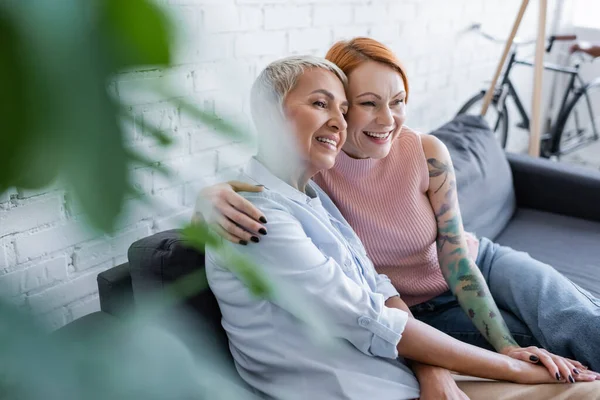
{"x": 278, "y": 79}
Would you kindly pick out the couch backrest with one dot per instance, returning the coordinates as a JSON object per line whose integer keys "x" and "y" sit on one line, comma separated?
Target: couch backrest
{"x": 161, "y": 259}
{"x": 483, "y": 176}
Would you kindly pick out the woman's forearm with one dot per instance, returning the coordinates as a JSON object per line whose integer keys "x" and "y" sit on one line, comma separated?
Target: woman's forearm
{"x": 425, "y": 344}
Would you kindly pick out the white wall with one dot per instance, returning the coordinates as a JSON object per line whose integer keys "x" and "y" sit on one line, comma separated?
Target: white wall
{"x": 49, "y": 263}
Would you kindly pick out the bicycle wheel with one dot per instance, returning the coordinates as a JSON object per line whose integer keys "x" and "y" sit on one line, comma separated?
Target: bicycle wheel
{"x": 579, "y": 123}
{"x": 497, "y": 120}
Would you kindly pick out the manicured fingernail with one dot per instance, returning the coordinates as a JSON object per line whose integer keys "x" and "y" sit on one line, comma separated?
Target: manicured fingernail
{"x": 557, "y": 376}
{"x": 262, "y": 231}
{"x": 534, "y": 358}
{"x": 571, "y": 379}
{"x": 576, "y": 371}
{"x": 243, "y": 242}
{"x": 263, "y": 220}
{"x": 255, "y": 239}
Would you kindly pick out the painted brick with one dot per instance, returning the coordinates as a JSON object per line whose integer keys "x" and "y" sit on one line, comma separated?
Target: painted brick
{"x": 162, "y": 117}
{"x": 260, "y": 43}
{"x": 54, "y": 319}
{"x": 386, "y": 33}
{"x": 66, "y": 292}
{"x": 262, "y": 1}
{"x": 5, "y": 196}
{"x": 84, "y": 307}
{"x": 349, "y": 32}
{"x": 92, "y": 253}
{"x": 10, "y": 284}
{"x": 206, "y": 78}
{"x": 29, "y": 215}
{"x": 332, "y": 15}
{"x": 403, "y": 10}
{"x": 198, "y": 165}
{"x": 121, "y": 242}
{"x": 45, "y": 273}
{"x": 47, "y": 241}
{"x": 141, "y": 179}
{"x": 175, "y": 221}
{"x": 198, "y": 2}
{"x": 233, "y": 156}
{"x": 206, "y": 139}
{"x": 310, "y": 39}
{"x": 218, "y": 46}
{"x": 287, "y": 17}
{"x": 373, "y": 13}
{"x": 232, "y": 18}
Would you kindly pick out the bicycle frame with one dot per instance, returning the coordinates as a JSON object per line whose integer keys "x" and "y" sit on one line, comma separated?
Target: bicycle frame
{"x": 506, "y": 82}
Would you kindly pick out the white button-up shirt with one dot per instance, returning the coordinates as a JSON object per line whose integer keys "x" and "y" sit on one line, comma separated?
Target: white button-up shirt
{"x": 310, "y": 246}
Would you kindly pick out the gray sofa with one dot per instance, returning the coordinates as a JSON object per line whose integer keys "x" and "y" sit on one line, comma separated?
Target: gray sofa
{"x": 550, "y": 210}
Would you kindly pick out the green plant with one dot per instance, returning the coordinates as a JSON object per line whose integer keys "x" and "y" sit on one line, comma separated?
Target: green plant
{"x": 61, "y": 124}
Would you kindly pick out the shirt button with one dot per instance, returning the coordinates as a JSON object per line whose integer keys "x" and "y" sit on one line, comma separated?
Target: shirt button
{"x": 363, "y": 322}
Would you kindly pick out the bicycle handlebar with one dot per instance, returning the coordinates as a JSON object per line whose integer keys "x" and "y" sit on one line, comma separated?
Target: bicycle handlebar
{"x": 564, "y": 37}
{"x": 520, "y": 42}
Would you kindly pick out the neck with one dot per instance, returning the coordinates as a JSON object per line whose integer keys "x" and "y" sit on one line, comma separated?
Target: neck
{"x": 293, "y": 173}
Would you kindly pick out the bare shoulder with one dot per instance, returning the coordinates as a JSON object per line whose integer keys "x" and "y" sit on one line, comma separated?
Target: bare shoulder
{"x": 434, "y": 147}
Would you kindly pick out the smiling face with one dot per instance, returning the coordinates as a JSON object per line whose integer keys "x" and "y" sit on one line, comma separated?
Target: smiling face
{"x": 377, "y": 112}
{"x": 315, "y": 110}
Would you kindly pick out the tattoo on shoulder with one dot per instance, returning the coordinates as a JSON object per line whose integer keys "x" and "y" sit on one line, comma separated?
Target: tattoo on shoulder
{"x": 438, "y": 168}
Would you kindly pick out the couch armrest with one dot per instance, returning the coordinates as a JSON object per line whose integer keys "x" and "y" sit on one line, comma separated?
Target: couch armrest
{"x": 559, "y": 188}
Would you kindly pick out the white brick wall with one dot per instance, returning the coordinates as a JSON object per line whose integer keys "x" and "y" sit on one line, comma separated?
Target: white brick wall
{"x": 49, "y": 261}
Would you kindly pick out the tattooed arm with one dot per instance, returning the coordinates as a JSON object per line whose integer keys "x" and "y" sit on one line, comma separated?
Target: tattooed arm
{"x": 461, "y": 273}
{"x": 464, "y": 277}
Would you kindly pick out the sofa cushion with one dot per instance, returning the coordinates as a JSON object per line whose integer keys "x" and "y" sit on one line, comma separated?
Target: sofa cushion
{"x": 483, "y": 175}
{"x": 570, "y": 246}
{"x": 161, "y": 259}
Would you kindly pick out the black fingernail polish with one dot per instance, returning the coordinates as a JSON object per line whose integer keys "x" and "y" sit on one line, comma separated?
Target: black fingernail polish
{"x": 243, "y": 242}
{"x": 262, "y": 231}
{"x": 576, "y": 371}
{"x": 534, "y": 358}
{"x": 263, "y": 220}
{"x": 255, "y": 239}
{"x": 571, "y": 379}
{"x": 557, "y": 376}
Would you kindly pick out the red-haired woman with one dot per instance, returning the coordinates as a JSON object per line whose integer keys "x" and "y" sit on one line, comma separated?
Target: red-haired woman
{"x": 397, "y": 189}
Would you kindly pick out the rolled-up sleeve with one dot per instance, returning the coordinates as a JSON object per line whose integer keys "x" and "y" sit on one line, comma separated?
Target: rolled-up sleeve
{"x": 356, "y": 312}
{"x": 385, "y": 287}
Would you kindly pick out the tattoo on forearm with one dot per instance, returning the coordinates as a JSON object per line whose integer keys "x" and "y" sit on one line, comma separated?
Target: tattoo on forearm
{"x": 438, "y": 168}
{"x": 473, "y": 284}
{"x": 510, "y": 340}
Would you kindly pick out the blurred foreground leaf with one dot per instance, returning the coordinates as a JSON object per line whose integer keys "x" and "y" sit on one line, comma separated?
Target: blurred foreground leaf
{"x": 60, "y": 122}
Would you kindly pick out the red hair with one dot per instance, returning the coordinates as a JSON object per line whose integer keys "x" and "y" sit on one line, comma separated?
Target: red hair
{"x": 350, "y": 54}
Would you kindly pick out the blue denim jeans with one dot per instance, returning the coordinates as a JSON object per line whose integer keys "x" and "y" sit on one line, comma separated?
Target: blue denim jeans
{"x": 540, "y": 306}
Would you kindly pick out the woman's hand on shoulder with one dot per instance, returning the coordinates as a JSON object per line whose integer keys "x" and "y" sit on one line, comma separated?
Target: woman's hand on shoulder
{"x": 229, "y": 214}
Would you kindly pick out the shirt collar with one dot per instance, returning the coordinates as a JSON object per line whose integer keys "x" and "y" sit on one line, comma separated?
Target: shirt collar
{"x": 256, "y": 171}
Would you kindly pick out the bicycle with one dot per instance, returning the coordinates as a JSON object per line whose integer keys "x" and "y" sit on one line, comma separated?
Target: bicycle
{"x": 570, "y": 131}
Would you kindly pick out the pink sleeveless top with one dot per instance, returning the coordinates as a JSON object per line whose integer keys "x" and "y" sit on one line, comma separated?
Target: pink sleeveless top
{"x": 386, "y": 203}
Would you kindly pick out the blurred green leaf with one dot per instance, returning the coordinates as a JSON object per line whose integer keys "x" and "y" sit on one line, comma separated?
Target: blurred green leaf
{"x": 17, "y": 138}
{"x": 199, "y": 235}
{"x": 162, "y": 138}
{"x": 138, "y": 31}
